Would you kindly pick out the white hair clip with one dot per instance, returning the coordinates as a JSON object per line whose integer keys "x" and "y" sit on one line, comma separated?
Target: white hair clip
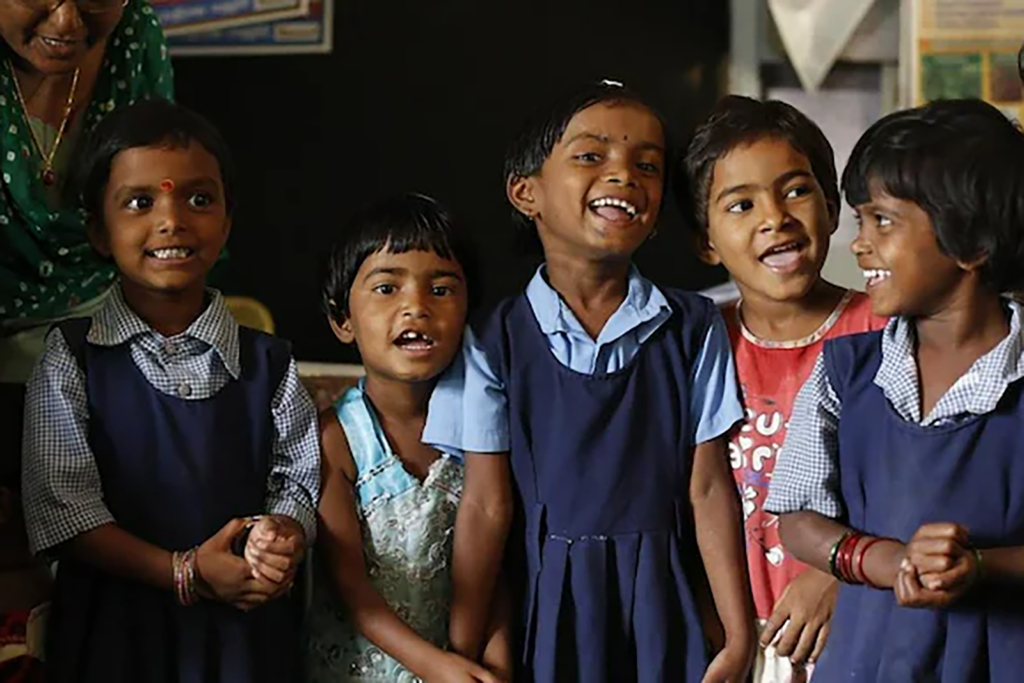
{"x": 612, "y": 84}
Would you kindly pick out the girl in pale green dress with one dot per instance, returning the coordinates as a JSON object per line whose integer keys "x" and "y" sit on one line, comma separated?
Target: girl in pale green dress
{"x": 397, "y": 288}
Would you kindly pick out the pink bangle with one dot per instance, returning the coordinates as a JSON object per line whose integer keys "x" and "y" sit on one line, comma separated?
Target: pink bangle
{"x": 190, "y": 577}
{"x": 183, "y": 564}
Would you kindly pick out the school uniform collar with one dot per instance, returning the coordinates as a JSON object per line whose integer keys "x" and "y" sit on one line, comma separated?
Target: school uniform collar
{"x": 978, "y": 392}
{"x": 116, "y": 323}
{"x": 644, "y": 302}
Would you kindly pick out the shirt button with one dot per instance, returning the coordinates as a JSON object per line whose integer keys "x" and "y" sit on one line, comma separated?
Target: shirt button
{"x": 170, "y": 348}
{"x": 184, "y": 390}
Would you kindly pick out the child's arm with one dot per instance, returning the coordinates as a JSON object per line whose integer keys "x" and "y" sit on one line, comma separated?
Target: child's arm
{"x": 481, "y": 526}
{"x": 715, "y": 407}
{"x": 1002, "y": 564}
{"x": 716, "y": 512}
{"x": 222, "y": 575}
{"x": 803, "y": 612}
{"x": 805, "y": 488}
{"x": 469, "y": 412}
{"x": 342, "y": 545}
{"x": 802, "y": 615}
{"x": 810, "y": 536}
{"x": 63, "y": 492}
{"x": 278, "y": 544}
{"x": 497, "y": 656}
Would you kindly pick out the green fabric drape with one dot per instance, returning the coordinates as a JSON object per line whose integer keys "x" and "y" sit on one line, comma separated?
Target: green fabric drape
{"x": 46, "y": 263}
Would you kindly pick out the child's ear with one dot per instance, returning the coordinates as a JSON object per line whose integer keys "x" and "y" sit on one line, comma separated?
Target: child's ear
{"x": 705, "y": 249}
{"x": 833, "y": 216}
{"x": 520, "y": 192}
{"x": 97, "y": 235}
{"x": 973, "y": 265}
{"x": 343, "y": 330}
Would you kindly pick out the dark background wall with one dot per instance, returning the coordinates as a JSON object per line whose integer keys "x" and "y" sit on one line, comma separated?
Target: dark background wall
{"x": 423, "y": 96}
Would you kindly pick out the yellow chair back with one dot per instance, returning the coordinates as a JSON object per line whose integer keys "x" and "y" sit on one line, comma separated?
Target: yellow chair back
{"x": 250, "y": 313}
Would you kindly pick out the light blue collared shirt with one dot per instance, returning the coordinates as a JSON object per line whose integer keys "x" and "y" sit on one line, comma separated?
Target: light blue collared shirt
{"x": 469, "y": 407}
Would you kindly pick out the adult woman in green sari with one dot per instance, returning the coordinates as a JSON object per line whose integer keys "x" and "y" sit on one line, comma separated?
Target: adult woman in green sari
{"x": 64, "y": 65}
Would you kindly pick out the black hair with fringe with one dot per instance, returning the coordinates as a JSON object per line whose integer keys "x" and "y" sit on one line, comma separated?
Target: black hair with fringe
{"x": 410, "y": 222}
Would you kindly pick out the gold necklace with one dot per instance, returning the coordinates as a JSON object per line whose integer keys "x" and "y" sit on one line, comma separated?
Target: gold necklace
{"x": 48, "y": 175}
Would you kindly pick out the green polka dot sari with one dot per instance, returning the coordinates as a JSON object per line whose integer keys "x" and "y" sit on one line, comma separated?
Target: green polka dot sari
{"x": 46, "y": 263}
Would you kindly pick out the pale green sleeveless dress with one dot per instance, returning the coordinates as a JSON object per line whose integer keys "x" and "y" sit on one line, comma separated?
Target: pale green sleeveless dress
{"x": 408, "y": 528}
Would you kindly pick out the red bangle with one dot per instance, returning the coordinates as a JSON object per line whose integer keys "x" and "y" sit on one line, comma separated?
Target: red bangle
{"x": 845, "y": 562}
{"x": 859, "y": 561}
{"x": 849, "y": 558}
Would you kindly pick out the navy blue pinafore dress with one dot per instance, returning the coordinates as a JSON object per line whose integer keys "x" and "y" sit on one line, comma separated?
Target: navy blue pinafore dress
{"x": 173, "y": 473}
{"x": 602, "y": 469}
{"x": 897, "y": 476}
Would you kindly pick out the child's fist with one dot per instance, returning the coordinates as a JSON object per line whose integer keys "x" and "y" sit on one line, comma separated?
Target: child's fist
{"x": 939, "y": 567}
{"x": 225, "y": 577}
{"x": 942, "y": 557}
{"x": 275, "y": 548}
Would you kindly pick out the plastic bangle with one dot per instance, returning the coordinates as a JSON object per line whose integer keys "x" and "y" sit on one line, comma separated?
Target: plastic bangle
{"x": 177, "y": 568}
{"x": 834, "y": 554}
{"x": 191, "y": 593}
{"x": 845, "y": 562}
{"x": 183, "y": 565}
{"x": 187, "y": 590}
{"x": 860, "y": 561}
{"x": 979, "y": 564}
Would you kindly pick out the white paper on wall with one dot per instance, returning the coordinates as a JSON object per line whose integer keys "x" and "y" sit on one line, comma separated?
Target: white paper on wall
{"x": 815, "y": 32}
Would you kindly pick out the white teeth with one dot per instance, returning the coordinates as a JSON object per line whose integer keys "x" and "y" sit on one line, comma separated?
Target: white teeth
{"x": 876, "y": 275}
{"x": 784, "y": 247}
{"x": 54, "y": 42}
{"x": 175, "y": 253}
{"x": 612, "y": 201}
{"x": 413, "y": 336}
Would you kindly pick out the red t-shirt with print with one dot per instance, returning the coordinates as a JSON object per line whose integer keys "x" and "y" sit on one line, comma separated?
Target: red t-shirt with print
{"x": 770, "y": 376}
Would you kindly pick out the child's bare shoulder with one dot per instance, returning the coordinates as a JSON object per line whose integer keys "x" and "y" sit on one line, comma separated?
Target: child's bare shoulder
{"x": 334, "y": 445}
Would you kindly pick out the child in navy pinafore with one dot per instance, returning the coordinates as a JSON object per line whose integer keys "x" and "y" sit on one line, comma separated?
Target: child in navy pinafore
{"x": 902, "y": 472}
{"x": 613, "y": 397}
{"x": 160, "y": 426}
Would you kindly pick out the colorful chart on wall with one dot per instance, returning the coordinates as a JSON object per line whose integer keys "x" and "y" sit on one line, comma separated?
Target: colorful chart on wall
{"x": 964, "y": 48}
{"x": 308, "y": 33}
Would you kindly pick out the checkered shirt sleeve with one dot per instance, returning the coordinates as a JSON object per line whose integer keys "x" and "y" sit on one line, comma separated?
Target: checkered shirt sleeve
{"x": 61, "y": 488}
{"x": 806, "y": 473}
{"x": 293, "y": 488}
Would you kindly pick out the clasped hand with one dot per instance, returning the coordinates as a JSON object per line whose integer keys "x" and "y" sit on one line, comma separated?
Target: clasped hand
{"x": 938, "y": 566}
{"x": 273, "y": 552}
